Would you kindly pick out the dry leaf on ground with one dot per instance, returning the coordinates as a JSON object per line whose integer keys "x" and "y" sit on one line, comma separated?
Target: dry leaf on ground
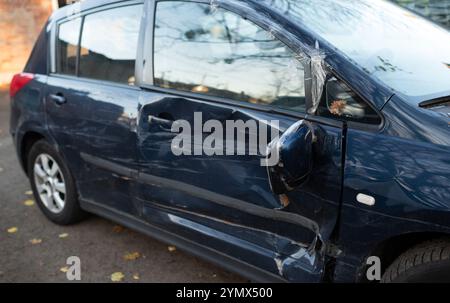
{"x": 29, "y": 203}
{"x": 64, "y": 235}
{"x": 132, "y": 256}
{"x": 36, "y": 241}
{"x": 12, "y": 230}
{"x": 64, "y": 269}
{"x": 28, "y": 193}
{"x": 136, "y": 277}
{"x": 172, "y": 248}
{"x": 117, "y": 277}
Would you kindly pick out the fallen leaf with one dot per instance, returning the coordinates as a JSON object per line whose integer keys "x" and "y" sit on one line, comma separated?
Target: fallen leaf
{"x": 132, "y": 256}
{"x": 64, "y": 269}
{"x": 29, "y": 203}
{"x": 29, "y": 193}
{"x": 117, "y": 276}
{"x": 118, "y": 229}
{"x": 64, "y": 235}
{"x": 12, "y": 230}
{"x": 36, "y": 241}
{"x": 136, "y": 277}
{"x": 172, "y": 248}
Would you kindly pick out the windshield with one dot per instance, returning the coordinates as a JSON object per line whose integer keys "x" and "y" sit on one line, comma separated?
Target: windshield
{"x": 406, "y": 52}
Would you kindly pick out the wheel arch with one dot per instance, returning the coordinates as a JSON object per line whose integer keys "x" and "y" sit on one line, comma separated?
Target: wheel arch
{"x": 27, "y": 141}
{"x": 390, "y": 249}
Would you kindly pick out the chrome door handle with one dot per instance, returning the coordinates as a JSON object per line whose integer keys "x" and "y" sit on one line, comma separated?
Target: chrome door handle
{"x": 59, "y": 99}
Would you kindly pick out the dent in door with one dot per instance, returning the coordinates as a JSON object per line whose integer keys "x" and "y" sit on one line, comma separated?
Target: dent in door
{"x": 209, "y": 189}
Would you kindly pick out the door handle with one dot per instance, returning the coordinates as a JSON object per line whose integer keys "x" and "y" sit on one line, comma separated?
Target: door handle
{"x": 157, "y": 120}
{"x": 59, "y": 99}
{"x": 164, "y": 124}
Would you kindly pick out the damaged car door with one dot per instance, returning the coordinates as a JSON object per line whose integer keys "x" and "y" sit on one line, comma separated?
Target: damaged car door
{"x": 216, "y": 73}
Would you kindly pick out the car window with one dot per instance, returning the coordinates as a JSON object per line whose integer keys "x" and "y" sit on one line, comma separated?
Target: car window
{"x": 340, "y": 102}
{"x": 67, "y": 46}
{"x": 202, "y": 49}
{"x": 109, "y": 44}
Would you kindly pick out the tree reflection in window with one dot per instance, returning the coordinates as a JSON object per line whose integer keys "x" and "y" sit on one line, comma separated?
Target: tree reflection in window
{"x": 221, "y": 54}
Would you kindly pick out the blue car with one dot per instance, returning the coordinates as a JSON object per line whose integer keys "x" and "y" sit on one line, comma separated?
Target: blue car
{"x": 124, "y": 111}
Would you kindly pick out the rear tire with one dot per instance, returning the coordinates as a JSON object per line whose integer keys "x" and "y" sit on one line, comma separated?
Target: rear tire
{"x": 53, "y": 185}
{"x": 428, "y": 262}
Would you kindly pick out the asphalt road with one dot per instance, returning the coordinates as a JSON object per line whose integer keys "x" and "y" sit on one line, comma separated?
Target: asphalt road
{"x": 32, "y": 249}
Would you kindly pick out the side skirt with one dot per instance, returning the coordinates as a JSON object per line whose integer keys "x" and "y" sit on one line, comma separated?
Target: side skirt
{"x": 204, "y": 252}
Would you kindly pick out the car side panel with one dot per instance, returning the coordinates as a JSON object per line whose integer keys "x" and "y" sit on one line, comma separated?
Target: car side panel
{"x": 406, "y": 168}
{"x": 28, "y": 112}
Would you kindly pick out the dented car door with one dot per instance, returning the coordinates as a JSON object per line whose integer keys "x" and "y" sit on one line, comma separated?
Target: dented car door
{"x": 224, "y": 198}
{"x": 227, "y": 203}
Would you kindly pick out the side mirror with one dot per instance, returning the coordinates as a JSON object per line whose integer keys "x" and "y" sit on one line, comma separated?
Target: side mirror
{"x": 294, "y": 153}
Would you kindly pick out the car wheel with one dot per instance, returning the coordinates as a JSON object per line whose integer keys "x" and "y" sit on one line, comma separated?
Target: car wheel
{"x": 53, "y": 185}
{"x": 428, "y": 262}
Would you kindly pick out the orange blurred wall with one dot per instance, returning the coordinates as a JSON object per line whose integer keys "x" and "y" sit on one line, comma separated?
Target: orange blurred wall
{"x": 20, "y": 23}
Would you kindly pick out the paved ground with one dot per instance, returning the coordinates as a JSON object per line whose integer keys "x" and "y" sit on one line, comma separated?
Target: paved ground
{"x": 100, "y": 244}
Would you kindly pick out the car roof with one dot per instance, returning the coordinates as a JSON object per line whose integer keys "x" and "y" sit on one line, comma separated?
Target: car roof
{"x": 77, "y": 7}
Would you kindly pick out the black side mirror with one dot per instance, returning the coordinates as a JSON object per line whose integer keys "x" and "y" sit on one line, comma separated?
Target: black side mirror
{"x": 294, "y": 153}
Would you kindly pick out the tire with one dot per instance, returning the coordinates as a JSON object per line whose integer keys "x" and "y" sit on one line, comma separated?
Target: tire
{"x": 66, "y": 212}
{"x": 428, "y": 262}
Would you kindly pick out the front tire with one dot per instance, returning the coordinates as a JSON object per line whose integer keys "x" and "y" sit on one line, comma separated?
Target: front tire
{"x": 428, "y": 262}
{"x": 53, "y": 185}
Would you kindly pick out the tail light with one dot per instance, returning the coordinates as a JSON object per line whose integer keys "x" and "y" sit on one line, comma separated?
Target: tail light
{"x": 18, "y": 82}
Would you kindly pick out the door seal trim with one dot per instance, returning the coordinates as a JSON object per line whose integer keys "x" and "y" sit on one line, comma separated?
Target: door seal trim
{"x": 211, "y": 255}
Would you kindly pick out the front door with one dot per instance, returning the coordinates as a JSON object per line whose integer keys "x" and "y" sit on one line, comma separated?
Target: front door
{"x": 213, "y": 69}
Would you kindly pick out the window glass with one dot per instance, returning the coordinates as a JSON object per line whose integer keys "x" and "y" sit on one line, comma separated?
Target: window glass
{"x": 109, "y": 44}
{"x": 67, "y": 45}
{"x": 211, "y": 51}
{"x": 340, "y": 102}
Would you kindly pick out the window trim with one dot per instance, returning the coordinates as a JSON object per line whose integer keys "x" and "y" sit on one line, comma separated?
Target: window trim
{"x": 244, "y": 105}
{"x": 82, "y": 15}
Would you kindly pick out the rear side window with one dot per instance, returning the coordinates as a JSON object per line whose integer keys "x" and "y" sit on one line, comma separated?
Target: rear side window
{"x": 67, "y": 47}
{"x": 211, "y": 51}
{"x": 109, "y": 44}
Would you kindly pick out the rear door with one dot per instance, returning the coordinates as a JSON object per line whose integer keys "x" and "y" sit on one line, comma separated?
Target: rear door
{"x": 107, "y": 62}
{"x": 92, "y": 100}
{"x": 66, "y": 107}
{"x": 212, "y": 67}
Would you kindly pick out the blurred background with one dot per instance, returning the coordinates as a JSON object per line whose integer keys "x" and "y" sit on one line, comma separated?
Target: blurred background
{"x": 20, "y": 23}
